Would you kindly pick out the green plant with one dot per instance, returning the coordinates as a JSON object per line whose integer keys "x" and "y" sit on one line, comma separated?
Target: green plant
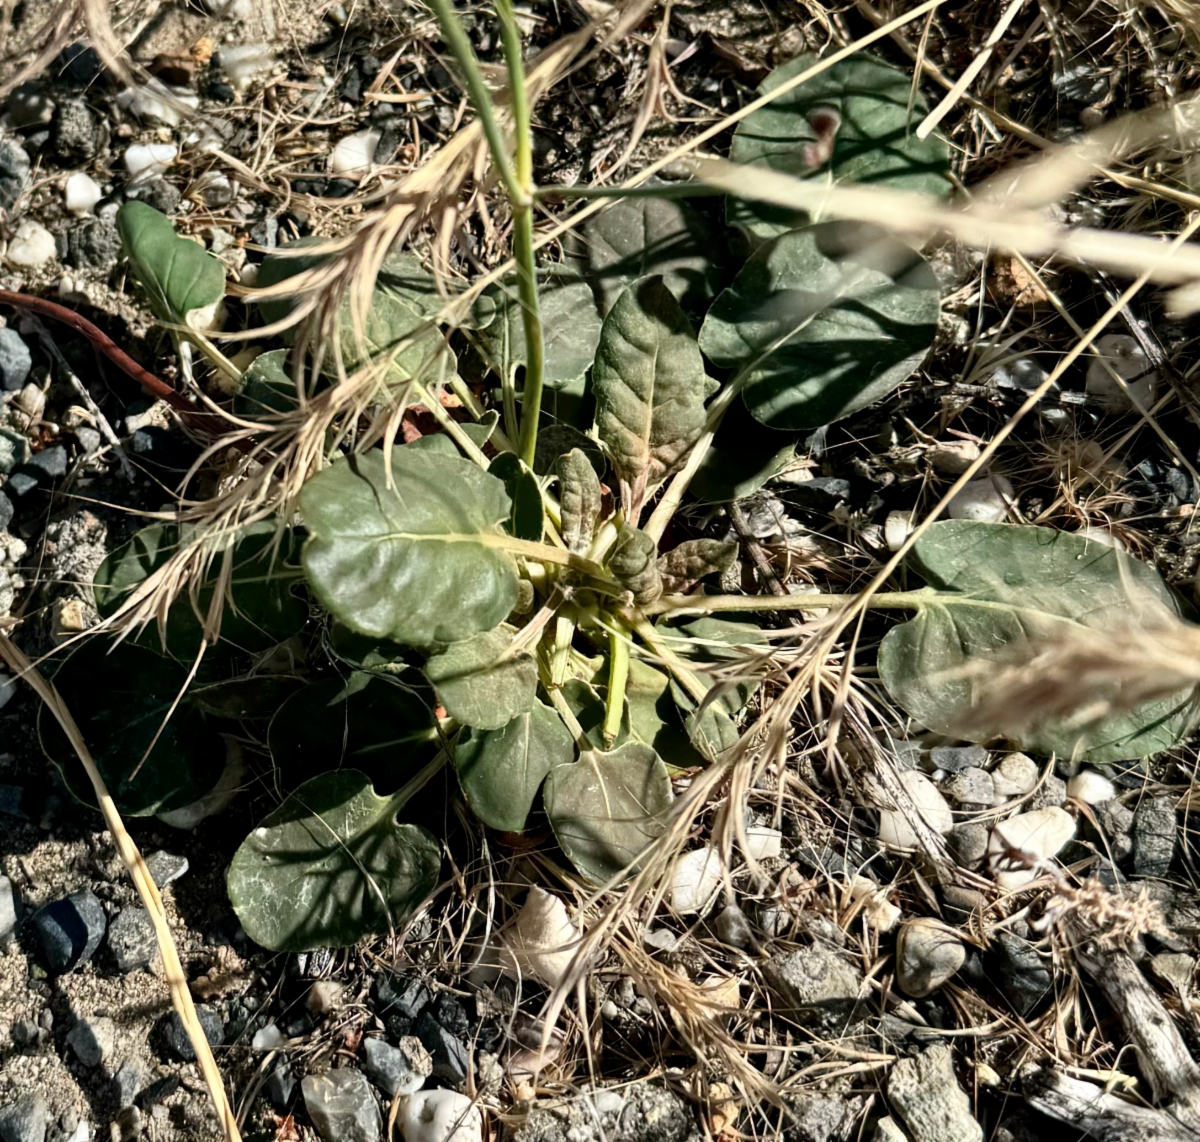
{"x": 503, "y": 601}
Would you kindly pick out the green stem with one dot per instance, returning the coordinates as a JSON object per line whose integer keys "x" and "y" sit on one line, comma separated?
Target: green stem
{"x": 481, "y": 99}
{"x": 618, "y": 678}
{"x": 711, "y": 604}
{"x": 684, "y": 675}
{"x": 522, "y": 208}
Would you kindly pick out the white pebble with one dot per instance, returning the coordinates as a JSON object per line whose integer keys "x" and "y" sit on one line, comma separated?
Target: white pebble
{"x": 953, "y": 456}
{"x": 1101, "y": 536}
{"x": 242, "y": 62}
{"x": 894, "y": 826}
{"x": 31, "y": 247}
{"x": 1015, "y": 776}
{"x": 541, "y": 942}
{"x": 697, "y": 877}
{"x": 1039, "y": 834}
{"x": 985, "y": 500}
{"x": 1126, "y": 358}
{"x": 896, "y": 529}
{"x": 440, "y": 1116}
{"x": 156, "y": 103}
{"x": 268, "y": 1038}
{"x": 143, "y": 158}
{"x": 763, "y": 843}
{"x": 354, "y": 153}
{"x": 1090, "y": 787}
{"x": 8, "y": 690}
{"x": 81, "y": 193}
{"x": 877, "y": 909}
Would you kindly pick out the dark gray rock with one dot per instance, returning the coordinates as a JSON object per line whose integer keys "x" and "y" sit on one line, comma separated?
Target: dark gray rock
{"x": 160, "y": 194}
{"x": 28, "y": 106}
{"x": 15, "y": 360}
{"x": 451, "y": 1059}
{"x": 1051, "y": 793}
{"x": 126, "y": 1084}
{"x": 158, "y": 1091}
{"x": 342, "y": 1106}
{"x": 24, "y": 1032}
{"x": 89, "y": 440}
{"x": 1116, "y": 823}
{"x": 397, "y": 1070}
{"x": 280, "y": 1086}
{"x": 8, "y": 912}
{"x": 24, "y": 1120}
{"x": 75, "y": 132}
{"x": 94, "y": 243}
{"x": 92, "y": 1040}
{"x": 1023, "y": 975}
{"x": 452, "y": 1015}
{"x": 165, "y": 867}
{"x": 77, "y": 63}
{"x": 955, "y": 758}
{"x": 14, "y": 173}
{"x": 177, "y": 1039}
{"x": 968, "y": 844}
{"x": 733, "y": 928}
{"x": 131, "y": 939}
{"x": 49, "y": 464}
{"x": 815, "y": 985}
{"x": 926, "y": 1096}
{"x": 820, "y": 1118}
{"x": 70, "y": 930}
{"x": 1154, "y": 835}
{"x": 401, "y": 995}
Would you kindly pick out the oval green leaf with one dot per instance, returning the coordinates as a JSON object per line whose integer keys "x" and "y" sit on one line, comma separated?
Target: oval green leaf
{"x": 500, "y": 771}
{"x": 873, "y": 143}
{"x": 996, "y": 589}
{"x": 480, "y": 684}
{"x": 417, "y": 562}
{"x": 526, "y": 520}
{"x": 823, "y": 322}
{"x": 330, "y": 866}
{"x": 608, "y": 807}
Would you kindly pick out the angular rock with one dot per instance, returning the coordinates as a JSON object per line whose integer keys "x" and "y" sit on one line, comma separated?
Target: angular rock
{"x": 74, "y": 132}
{"x": 404, "y": 997}
{"x": 280, "y": 1086}
{"x": 8, "y": 912}
{"x": 1116, "y": 824}
{"x": 342, "y": 1106}
{"x": 177, "y": 1038}
{"x": 820, "y": 1118}
{"x": 970, "y": 786}
{"x": 816, "y": 986}
{"x": 93, "y": 243}
{"x": 14, "y": 173}
{"x": 451, "y": 1058}
{"x": 131, "y": 939}
{"x": 165, "y": 867}
{"x": 1154, "y": 836}
{"x": 955, "y": 758}
{"x": 1024, "y": 978}
{"x": 927, "y": 955}
{"x": 925, "y": 1095}
{"x": 15, "y": 360}
{"x": 92, "y": 1040}
{"x": 397, "y": 1070}
{"x": 126, "y": 1084}
{"x": 70, "y": 930}
{"x": 1051, "y": 793}
{"x": 24, "y": 1120}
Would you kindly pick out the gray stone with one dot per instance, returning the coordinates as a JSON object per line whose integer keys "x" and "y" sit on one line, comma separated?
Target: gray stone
{"x": 24, "y": 1120}
{"x": 94, "y": 243}
{"x": 15, "y": 360}
{"x": 8, "y": 912}
{"x": 92, "y": 1040}
{"x": 1154, "y": 834}
{"x": 74, "y": 135}
{"x": 648, "y": 1113}
{"x": 954, "y": 758}
{"x": 131, "y": 939}
{"x": 70, "y": 930}
{"x": 816, "y": 985}
{"x": 177, "y": 1038}
{"x": 970, "y": 786}
{"x": 397, "y": 1070}
{"x": 14, "y": 173}
{"x": 402, "y": 996}
{"x": 1052, "y": 793}
{"x": 14, "y": 450}
{"x": 165, "y": 867}
{"x": 126, "y": 1083}
{"x": 280, "y": 1086}
{"x": 925, "y": 1094}
{"x": 733, "y": 928}
{"x": 342, "y": 1106}
{"x": 886, "y": 1130}
{"x": 6, "y": 511}
{"x": 451, "y": 1059}
{"x": 1116, "y": 823}
{"x": 820, "y": 1118}
{"x": 1024, "y": 977}
{"x": 162, "y": 195}
{"x": 926, "y": 956}
{"x": 968, "y": 844}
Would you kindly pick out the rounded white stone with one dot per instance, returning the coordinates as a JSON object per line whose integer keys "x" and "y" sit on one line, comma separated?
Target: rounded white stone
{"x": 1125, "y": 357}
{"x": 354, "y": 153}
{"x": 696, "y": 879}
{"x": 81, "y": 193}
{"x": 763, "y": 843}
{"x": 440, "y": 1116}
{"x": 142, "y": 158}
{"x": 1090, "y": 787}
{"x": 1040, "y": 834}
{"x": 896, "y": 529}
{"x": 31, "y": 247}
{"x": 1016, "y": 775}
{"x": 985, "y": 500}
{"x": 894, "y": 826}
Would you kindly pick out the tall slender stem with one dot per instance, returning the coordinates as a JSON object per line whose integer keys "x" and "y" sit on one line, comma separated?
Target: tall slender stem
{"x": 618, "y": 679}
{"x": 522, "y": 207}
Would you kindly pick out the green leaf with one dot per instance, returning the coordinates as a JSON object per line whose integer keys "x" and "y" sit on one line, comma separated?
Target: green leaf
{"x": 262, "y": 609}
{"x": 480, "y": 684}
{"x": 874, "y": 142}
{"x": 684, "y": 566}
{"x": 501, "y": 770}
{"x": 742, "y": 457}
{"x": 997, "y": 589}
{"x": 650, "y": 388}
{"x": 179, "y": 276}
{"x": 266, "y": 387}
{"x": 373, "y": 724}
{"x": 330, "y": 866}
{"x": 401, "y": 320}
{"x": 417, "y": 562}
{"x": 718, "y": 645}
{"x": 526, "y": 521}
{"x": 823, "y": 322}
{"x": 120, "y": 697}
{"x": 633, "y": 561}
{"x": 637, "y": 237}
{"x": 580, "y": 497}
{"x": 606, "y": 808}
{"x": 555, "y": 440}
{"x": 571, "y": 332}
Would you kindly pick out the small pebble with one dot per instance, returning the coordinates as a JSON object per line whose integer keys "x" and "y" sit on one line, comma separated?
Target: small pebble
{"x": 31, "y": 246}
{"x": 132, "y": 940}
{"x": 1016, "y": 775}
{"x": 441, "y": 1116}
{"x": 24, "y": 1120}
{"x": 268, "y": 1038}
{"x": 165, "y": 868}
{"x": 342, "y": 1106}
{"x": 927, "y": 955}
{"x": 1125, "y": 357}
{"x": 985, "y": 500}
{"x": 92, "y": 1040}
{"x": 70, "y": 930}
{"x": 1023, "y": 374}
{"x": 763, "y": 843}
{"x": 894, "y": 827}
{"x": 177, "y": 1038}
{"x": 242, "y": 62}
{"x": 971, "y": 786}
{"x": 143, "y": 157}
{"x": 280, "y": 1085}
{"x": 323, "y": 997}
{"x": 81, "y": 193}
{"x": 1040, "y": 834}
{"x": 695, "y": 881}
{"x": 953, "y": 457}
{"x": 354, "y": 153}
{"x": 1090, "y": 787}
{"x": 8, "y": 907}
{"x": 398, "y": 1070}
{"x": 15, "y": 360}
